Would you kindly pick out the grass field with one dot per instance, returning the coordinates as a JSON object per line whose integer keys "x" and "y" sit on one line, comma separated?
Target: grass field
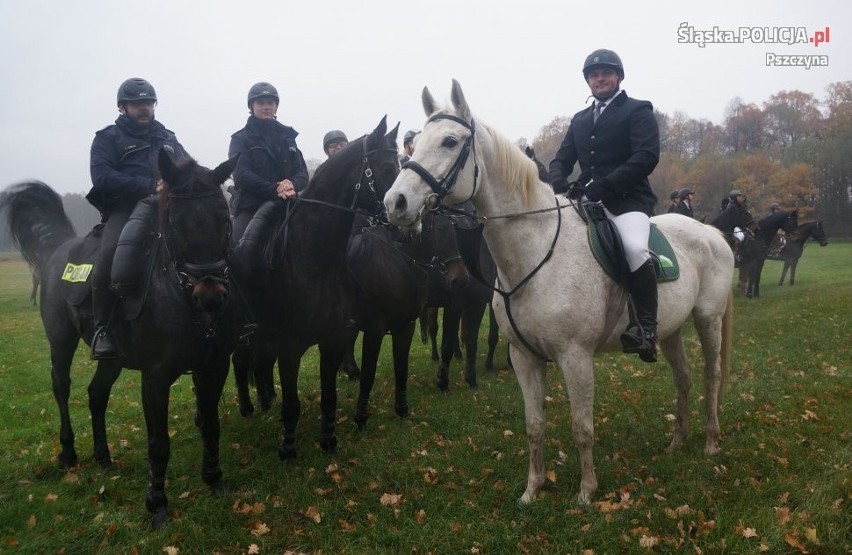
{"x": 447, "y": 479}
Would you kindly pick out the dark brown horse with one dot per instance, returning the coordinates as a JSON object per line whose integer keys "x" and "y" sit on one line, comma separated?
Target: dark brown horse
{"x": 756, "y": 250}
{"x": 393, "y": 277}
{"x": 292, "y": 262}
{"x": 183, "y": 324}
{"x": 793, "y": 248}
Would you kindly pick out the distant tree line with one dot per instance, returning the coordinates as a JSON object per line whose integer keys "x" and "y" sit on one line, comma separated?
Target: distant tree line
{"x": 795, "y": 150}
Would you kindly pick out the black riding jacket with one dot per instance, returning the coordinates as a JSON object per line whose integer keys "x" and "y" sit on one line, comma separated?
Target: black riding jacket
{"x": 123, "y": 162}
{"x": 619, "y": 152}
{"x": 268, "y": 154}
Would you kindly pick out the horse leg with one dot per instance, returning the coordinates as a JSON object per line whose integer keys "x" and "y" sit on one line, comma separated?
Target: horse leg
{"x": 531, "y": 376}
{"x": 61, "y": 355}
{"x": 242, "y": 376}
{"x": 472, "y": 320}
{"x": 672, "y": 347}
{"x": 288, "y": 369}
{"x": 371, "y": 345}
{"x": 155, "y": 404}
{"x": 349, "y": 366}
{"x": 784, "y": 272}
{"x": 401, "y": 350}
{"x": 264, "y": 375}
{"x": 432, "y": 325}
{"x": 209, "y": 383}
{"x": 793, "y": 264}
{"x": 99, "y": 391}
{"x": 449, "y": 343}
{"x": 577, "y": 370}
{"x": 331, "y": 354}
{"x": 493, "y": 337}
{"x": 709, "y": 328}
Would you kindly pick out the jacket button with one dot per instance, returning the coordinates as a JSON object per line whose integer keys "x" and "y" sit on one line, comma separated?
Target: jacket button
{"x": 591, "y": 167}
{"x": 593, "y": 136}
{"x": 592, "y": 152}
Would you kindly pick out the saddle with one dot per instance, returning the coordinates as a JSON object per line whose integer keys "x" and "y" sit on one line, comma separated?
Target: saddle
{"x": 608, "y": 249}
{"x": 76, "y": 284}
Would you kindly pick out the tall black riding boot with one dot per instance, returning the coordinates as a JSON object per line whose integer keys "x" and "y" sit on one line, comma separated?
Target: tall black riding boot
{"x": 104, "y": 345}
{"x": 641, "y": 336}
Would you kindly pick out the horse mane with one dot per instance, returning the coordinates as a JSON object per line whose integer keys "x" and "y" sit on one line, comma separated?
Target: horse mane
{"x": 513, "y": 165}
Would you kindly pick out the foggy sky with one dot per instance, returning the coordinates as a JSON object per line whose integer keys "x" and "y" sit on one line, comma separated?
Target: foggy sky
{"x": 346, "y": 64}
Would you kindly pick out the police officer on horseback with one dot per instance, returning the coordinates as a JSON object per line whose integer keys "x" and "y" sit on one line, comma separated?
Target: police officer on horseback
{"x": 271, "y": 165}
{"x": 408, "y": 146}
{"x": 124, "y": 170}
{"x": 617, "y": 144}
{"x": 334, "y": 141}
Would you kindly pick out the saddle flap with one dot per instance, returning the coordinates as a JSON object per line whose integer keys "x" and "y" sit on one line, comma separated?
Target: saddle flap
{"x": 76, "y": 280}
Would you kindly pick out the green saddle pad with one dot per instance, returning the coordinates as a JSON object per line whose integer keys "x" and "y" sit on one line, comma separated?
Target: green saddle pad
{"x": 665, "y": 261}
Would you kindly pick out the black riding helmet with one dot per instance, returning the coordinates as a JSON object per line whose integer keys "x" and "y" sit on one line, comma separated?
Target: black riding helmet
{"x": 261, "y": 90}
{"x": 135, "y": 89}
{"x": 735, "y": 193}
{"x": 603, "y": 58}
{"x": 334, "y": 136}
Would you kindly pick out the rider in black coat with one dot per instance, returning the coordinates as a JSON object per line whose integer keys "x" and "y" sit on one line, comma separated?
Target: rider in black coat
{"x": 271, "y": 165}
{"x": 616, "y": 141}
{"x": 124, "y": 170}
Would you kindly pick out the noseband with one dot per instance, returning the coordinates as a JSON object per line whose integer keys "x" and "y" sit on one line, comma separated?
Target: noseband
{"x": 189, "y": 274}
{"x": 441, "y": 188}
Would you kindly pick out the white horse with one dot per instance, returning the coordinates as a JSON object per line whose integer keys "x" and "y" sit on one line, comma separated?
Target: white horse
{"x": 563, "y": 307}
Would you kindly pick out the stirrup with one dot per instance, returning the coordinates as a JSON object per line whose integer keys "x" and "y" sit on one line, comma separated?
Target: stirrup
{"x": 642, "y": 343}
{"x": 103, "y": 345}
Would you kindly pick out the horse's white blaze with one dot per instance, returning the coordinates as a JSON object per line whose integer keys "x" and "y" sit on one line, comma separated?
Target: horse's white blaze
{"x": 569, "y": 309}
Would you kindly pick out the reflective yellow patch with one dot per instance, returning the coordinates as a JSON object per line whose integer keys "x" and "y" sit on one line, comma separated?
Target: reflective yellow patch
{"x": 76, "y": 273}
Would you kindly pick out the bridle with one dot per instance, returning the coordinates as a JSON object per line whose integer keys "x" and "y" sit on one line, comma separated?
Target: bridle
{"x": 190, "y": 274}
{"x": 365, "y": 179}
{"x": 441, "y": 188}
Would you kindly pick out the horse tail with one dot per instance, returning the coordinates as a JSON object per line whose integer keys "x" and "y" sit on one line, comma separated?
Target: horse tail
{"x": 727, "y": 338}
{"x": 37, "y": 221}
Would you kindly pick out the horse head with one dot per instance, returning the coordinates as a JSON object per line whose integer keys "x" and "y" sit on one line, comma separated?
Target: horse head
{"x": 371, "y": 162}
{"x": 439, "y": 168}
{"x": 819, "y": 234}
{"x": 196, "y": 223}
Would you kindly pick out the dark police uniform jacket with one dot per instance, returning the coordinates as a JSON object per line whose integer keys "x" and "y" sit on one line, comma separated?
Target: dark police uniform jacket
{"x": 268, "y": 154}
{"x": 123, "y": 162}
{"x": 618, "y": 152}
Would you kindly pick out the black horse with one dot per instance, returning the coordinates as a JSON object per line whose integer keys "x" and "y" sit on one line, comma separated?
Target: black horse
{"x": 736, "y": 215}
{"x": 293, "y": 257}
{"x": 182, "y": 324}
{"x": 756, "y": 250}
{"x": 392, "y": 279}
{"x": 464, "y": 309}
{"x": 542, "y": 170}
{"x": 793, "y": 248}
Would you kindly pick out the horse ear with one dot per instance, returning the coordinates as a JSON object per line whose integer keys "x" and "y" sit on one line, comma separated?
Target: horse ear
{"x": 429, "y": 104}
{"x": 376, "y": 136}
{"x": 225, "y": 169}
{"x": 167, "y": 167}
{"x": 457, "y": 96}
{"x": 393, "y": 133}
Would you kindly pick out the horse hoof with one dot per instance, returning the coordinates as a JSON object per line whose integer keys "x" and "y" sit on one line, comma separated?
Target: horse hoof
{"x": 104, "y": 461}
{"x": 67, "y": 461}
{"x": 287, "y": 453}
{"x": 160, "y": 518}
{"x": 329, "y": 445}
{"x": 218, "y": 488}
{"x": 402, "y": 411}
{"x": 246, "y": 411}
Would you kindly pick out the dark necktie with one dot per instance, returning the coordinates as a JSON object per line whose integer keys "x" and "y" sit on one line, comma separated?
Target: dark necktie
{"x": 597, "y": 113}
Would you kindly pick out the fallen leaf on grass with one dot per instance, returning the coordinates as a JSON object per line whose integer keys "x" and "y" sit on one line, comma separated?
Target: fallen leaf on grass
{"x": 783, "y": 515}
{"x": 420, "y": 517}
{"x": 390, "y": 499}
{"x": 260, "y": 529}
{"x": 171, "y": 550}
{"x": 809, "y": 415}
{"x": 648, "y": 541}
{"x": 811, "y": 535}
{"x": 313, "y": 514}
{"x": 253, "y": 549}
{"x": 31, "y": 522}
{"x": 50, "y": 497}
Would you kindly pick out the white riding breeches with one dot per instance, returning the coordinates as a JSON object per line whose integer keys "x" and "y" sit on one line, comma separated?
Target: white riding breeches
{"x": 635, "y": 231}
